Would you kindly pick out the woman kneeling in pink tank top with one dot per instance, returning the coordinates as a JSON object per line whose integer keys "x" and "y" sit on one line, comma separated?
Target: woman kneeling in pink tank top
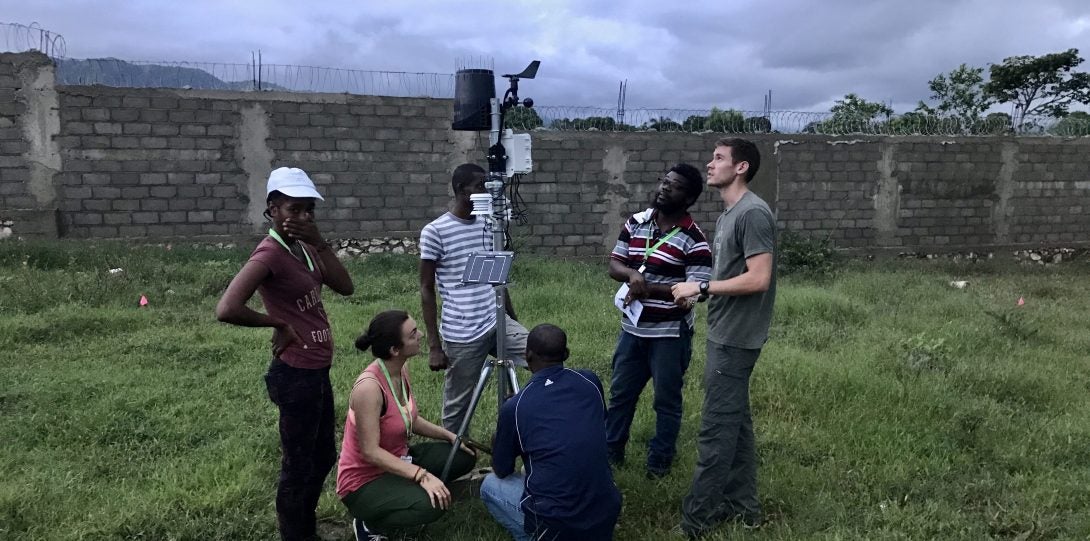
{"x": 383, "y": 481}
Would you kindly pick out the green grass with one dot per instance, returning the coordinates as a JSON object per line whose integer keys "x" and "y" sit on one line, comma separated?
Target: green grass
{"x": 887, "y": 404}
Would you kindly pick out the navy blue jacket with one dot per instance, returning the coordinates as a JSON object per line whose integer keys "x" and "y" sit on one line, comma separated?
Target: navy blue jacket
{"x": 557, "y": 425}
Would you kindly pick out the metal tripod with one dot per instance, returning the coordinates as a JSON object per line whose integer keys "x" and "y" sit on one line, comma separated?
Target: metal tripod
{"x": 494, "y": 209}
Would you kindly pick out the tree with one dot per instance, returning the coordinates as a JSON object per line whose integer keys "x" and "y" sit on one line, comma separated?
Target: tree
{"x": 663, "y": 124}
{"x": 758, "y": 124}
{"x": 726, "y": 121}
{"x": 603, "y": 123}
{"x": 959, "y": 93}
{"x": 1075, "y": 124}
{"x": 1039, "y": 85}
{"x": 852, "y": 115}
{"x": 995, "y": 124}
{"x": 695, "y": 123}
{"x": 522, "y": 118}
{"x": 922, "y": 123}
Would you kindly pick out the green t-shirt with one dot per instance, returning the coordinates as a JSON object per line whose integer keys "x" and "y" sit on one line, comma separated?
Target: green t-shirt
{"x": 744, "y": 230}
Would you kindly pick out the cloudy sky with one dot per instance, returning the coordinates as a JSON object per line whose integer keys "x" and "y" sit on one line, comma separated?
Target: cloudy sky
{"x": 674, "y": 54}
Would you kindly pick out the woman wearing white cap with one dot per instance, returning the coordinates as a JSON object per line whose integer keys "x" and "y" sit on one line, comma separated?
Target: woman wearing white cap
{"x": 288, "y": 269}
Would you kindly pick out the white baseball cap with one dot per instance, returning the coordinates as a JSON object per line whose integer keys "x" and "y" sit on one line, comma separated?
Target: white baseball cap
{"x": 292, "y": 182}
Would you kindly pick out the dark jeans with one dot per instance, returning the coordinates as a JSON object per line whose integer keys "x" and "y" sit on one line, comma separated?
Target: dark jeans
{"x": 725, "y": 480}
{"x": 308, "y": 450}
{"x": 664, "y": 361}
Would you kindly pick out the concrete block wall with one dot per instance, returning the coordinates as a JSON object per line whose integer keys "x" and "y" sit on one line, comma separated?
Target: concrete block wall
{"x": 29, "y": 157}
{"x": 177, "y": 163}
{"x": 160, "y": 163}
{"x": 935, "y": 193}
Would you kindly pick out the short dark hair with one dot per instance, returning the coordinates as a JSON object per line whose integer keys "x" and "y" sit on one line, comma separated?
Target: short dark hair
{"x": 694, "y": 181}
{"x": 383, "y": 333}
{"x": 742, "y": 150}
{"x": 549, "y": 343}
{"x": 464, "y": 174}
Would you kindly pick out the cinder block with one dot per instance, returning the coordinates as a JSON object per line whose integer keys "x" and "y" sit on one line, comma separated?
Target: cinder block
{"x": 124, "y": 115}
{"x": 136, "y": 129}
{"x": 153, "y": 204}
{"x": 95, "y": 114}
{"x": 200, "y": 216}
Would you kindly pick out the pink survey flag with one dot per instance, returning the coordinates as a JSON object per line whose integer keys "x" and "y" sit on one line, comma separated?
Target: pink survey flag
{"x": 143, "y": 300}
{"x": 1021, "y": 301}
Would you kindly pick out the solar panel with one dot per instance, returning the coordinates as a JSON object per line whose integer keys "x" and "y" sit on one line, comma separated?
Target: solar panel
{"x": 488, "y": 268}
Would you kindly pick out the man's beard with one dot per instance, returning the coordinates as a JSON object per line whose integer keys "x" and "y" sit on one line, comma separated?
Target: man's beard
{"x": 667, "y": 207}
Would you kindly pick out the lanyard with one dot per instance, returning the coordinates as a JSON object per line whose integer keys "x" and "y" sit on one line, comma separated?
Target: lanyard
{"x": 647, "y": 252}
{"x": 276, "y": 236}
{"x": 404, "y": 410}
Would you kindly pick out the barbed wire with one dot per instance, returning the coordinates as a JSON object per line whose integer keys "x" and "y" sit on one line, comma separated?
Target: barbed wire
{"x": 267, "y": 77}
{"x": 571, "y": 118}
{"x": 282, "y": 77}
{"x": 18, "y": 38}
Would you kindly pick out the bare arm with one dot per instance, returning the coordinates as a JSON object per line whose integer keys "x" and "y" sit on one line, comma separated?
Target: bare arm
{"x": 428, "y": 429}
{"x": 639, "y": 287}
{"x": 232, "y": 307}
{"x": 437, "y": 358}
{"x": 334, "y": 274}
{"x": 366, "y": 404}
{"x": 756, "y": 279}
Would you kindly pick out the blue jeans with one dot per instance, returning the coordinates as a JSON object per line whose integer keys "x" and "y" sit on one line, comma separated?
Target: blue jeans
{"x": 503, "y": 498}
{"x": 664, "y": 361}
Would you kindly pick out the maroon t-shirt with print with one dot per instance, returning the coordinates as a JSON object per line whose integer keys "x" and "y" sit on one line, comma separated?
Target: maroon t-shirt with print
{"x": 293, "y": 293}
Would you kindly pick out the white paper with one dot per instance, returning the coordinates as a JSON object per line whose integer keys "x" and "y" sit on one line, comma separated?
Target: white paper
{"x": 634, "y": 308}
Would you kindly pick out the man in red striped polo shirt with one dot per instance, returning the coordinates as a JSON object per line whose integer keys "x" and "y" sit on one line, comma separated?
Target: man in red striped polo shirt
{"x": 657, "y": 248}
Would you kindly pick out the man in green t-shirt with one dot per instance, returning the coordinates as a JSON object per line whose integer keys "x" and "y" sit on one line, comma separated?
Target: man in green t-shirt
{"x": 740, "y": 297}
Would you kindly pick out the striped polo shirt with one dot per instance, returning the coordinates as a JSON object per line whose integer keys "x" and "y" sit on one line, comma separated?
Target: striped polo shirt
{"x": 469, "y": 310}
{"x": 684, "y": 257}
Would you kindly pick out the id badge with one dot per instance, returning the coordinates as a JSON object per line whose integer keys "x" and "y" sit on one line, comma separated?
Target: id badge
{"x": 641, "y": 269}
{"x": 407, "y": 458}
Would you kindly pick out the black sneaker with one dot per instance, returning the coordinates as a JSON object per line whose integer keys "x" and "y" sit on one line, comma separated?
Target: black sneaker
{"x": 363, "y": 534}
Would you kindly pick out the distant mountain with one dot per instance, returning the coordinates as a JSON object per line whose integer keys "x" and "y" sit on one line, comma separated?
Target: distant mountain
{"x": 119, "y": 73}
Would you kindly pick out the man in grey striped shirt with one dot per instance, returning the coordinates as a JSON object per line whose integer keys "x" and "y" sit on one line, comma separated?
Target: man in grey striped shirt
{"x": 466, "y": 334}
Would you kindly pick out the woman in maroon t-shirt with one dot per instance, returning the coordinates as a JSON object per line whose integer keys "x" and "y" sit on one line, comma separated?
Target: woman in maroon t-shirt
{"x": 288, "y": 269}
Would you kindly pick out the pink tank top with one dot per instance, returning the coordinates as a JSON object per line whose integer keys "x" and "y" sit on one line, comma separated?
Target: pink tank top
{"x": 352, "y": 470}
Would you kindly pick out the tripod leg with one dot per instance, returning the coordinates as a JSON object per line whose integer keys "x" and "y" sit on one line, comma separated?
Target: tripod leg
{"x": 486, "y": 370}
{"x": 512, "y": 379}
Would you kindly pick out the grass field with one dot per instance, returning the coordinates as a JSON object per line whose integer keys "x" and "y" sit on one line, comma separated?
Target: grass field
{"x": 888, "y": 405}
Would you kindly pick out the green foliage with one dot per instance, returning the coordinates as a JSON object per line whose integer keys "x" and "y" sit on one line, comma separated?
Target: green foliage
{"x": 663, "y": 124}
{"x": 921, "y": 353}
{"x": 853, "y": 114}
{"x": 801, "y": 254}
{"x": 720, "y": 120}
{"x": 1016, "y": 323}
{"x": 959, "y": 94}
{"x": 1075, "y": 124}
{"x": 602, "y": 123}
{"x": 522, "y": 118}
{"x": 995, "y": 124}
{"x": 1039, "y": 85}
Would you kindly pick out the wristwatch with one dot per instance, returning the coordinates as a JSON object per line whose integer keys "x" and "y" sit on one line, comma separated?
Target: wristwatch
{"x": 704, "y": 290}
